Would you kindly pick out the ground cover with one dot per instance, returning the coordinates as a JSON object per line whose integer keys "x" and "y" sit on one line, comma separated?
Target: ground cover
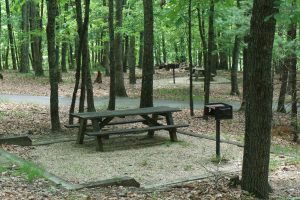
{"x": 34, "y": 120}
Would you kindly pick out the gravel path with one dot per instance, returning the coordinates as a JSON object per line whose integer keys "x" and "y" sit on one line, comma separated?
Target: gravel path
{"x": 157, "y": 164}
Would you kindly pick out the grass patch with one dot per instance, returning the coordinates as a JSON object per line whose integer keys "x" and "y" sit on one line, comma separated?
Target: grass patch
{"x": 276, "y": 162}
{"x": 285, "y": 150}
{"x": 181, "y": 94}
{"x": 30, "y": 171}
{"x": 2, "y": 169}
{"x": 219, "y": 160}
{"x": 168, "y": 143}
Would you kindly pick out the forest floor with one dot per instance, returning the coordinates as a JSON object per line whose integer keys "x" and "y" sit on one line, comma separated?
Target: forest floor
{"x": 34, "y": 120}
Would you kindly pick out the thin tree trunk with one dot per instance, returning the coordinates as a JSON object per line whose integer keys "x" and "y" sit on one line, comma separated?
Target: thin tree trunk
{"x": 141, "y": 50}
{"x": 54, "y": 108}
{"x": 164, "y": 50}
{"x": 36, "y": 40}
{"x": 112, "y": 91}
{"x": 190, "y": 58}
{"x": 209, "y": 51}
{"x": 131, "y": 60}
{"x": 282, "y": 93}
{"x": 120, "y": 86}
{"x": 234, "y": 67}
{"x": 10, "y": 35}
{"x": 125, "y": 54}
{"x": 1, "y": 68}
{"x": 148, "y": 68}
{"x": 24, "y": 68}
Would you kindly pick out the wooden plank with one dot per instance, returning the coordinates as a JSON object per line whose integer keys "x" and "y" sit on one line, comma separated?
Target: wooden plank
{"x": 121, "y": 181}
{"x": 136, "y": 130}
{"x": 128, "y": 112}
{"x": 16, "y": 140}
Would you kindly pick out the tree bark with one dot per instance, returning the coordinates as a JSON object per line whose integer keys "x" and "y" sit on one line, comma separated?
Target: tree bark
{"x": 1, "y": 67}
{"x": 112, "y": 87}
{"x": 120, "y": 86}
{"x": 284, "y": 77}
{"x": 259, "y": 100}
{"x": 234, "y": 67}
{"x": 125, "y": 53}
{"x": 209, "y": 51}
{"x": 148, "y": 68}
{"x": 141, "y": 50}
{"x": 190, "y": 57}
{"x": 54, "y": 108}
{"x": 36, "y": 39}
{"x": 131, "y": 60}
{"x": 10, "y": 35}
{"x": 164, "y": 50}
{"x": 24, "y": 67}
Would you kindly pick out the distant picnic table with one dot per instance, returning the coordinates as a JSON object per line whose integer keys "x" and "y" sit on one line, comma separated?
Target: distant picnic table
{"x": 148, "y": 116}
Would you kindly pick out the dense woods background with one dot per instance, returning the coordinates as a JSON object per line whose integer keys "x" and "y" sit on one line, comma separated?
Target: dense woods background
{"x": 110, "y": 38}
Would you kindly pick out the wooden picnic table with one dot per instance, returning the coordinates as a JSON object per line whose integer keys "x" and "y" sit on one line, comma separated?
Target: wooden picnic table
{"x": 148, "y": 116}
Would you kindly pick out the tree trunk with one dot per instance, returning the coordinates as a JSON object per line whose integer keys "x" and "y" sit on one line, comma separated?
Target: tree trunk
{"x": 190, "y": 57}
{"x": 10, "y": 35}
{"x": 112, "y": 87}
{"x": 64, "y": 50}
{"x": 24, "y": 68}
{"x": 141, "y": 50}
{"x": 164, "y": 50}
{"x": 125, "y": 54}
{"x": 209, "y": 51}
{"x": 223, "y": 60}
{"x": 234, "y": 67}
{"x": 1, "y": 68}
{"x": 131, "y": 60}
{"x": 292, "y": 32}
{"x": 148, "y": 68}
{"x": 120, "y": 87}
{"x": 71, "y": 59}
{"x": 36, "y": 39}
{"x": 235, "y": 61}
{"x": 64, "y": 47}
{"x": 245, "y": 72}
{"x": 259, "y": 100}
{"x": 284, "y": 76}
{"x": 202, "y": 35}
{"x": 54, "y": 108}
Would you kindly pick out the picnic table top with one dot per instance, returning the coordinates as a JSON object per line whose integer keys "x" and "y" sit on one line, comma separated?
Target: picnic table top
{"x": 126, "y": 112}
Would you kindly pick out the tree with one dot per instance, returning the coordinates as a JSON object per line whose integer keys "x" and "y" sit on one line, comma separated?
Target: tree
{"x": 36, "y": 26}
{"x": 112, "y": 92}
{"x": 209, "y": 51}
{"x": 131, "y": 60}
{"x": 53, "y": 70}
{"x": 148, "y": 68}
{"x": 1, "y": 68}
{"x": 190, "y": 58}
{"x": 259, "y": 99}
{"x": 235, "y": 62}
{"x": 10, "y": 34}
{"x": 120, "y": 87}
{"x": 24, "y": 67}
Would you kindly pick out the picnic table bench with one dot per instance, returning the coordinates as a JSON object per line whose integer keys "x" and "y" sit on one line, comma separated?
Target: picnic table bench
{"x": 200, "y": 72}
{"x": 148, "y": 116}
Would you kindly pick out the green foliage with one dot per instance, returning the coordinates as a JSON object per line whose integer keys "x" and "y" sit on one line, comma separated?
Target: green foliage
{"x": 31, "y": 171}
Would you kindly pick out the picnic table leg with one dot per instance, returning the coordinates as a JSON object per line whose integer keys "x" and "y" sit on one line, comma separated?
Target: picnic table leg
{"x": 151, "y": 133}
{"x": 100, "y": 143}
{"x": 81, "y": 132}
{"x": 172, "y": 131}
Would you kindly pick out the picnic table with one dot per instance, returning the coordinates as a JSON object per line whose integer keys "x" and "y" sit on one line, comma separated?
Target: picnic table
{"x": 148, "y": 116}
